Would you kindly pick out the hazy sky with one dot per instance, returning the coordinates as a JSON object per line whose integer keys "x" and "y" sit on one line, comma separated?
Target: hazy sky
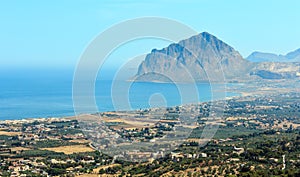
{"x": 54, "y": 33}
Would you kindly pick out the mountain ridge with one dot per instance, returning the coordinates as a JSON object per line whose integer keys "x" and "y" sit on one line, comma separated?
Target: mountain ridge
{"x": 203, "y": 58}
{"x": 256, "y": 56}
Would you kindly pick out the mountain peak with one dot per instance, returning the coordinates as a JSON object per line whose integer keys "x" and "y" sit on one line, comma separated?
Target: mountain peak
{"x": 207, "y": 35}
{"x": 200, "y": 55}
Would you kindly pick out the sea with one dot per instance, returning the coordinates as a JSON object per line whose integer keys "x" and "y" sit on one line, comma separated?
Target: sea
{"x": 44, "y": 95}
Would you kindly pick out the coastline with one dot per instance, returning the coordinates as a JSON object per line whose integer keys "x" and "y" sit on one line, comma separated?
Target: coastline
{"x": 70, "y": 117}
{"x": 253, "y": 89}
{"x": 75, "y": 117}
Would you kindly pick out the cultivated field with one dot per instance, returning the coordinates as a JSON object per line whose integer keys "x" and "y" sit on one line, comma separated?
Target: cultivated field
{"x": 70, "y": 149}
{"x": 10, "y": 133}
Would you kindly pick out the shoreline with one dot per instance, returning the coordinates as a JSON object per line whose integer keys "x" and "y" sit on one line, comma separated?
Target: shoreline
{"x": 241, "y": 90}
{"x": 74, "y": 116}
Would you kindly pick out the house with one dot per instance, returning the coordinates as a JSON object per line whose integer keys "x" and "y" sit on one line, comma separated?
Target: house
{"x": 238, "y": 150}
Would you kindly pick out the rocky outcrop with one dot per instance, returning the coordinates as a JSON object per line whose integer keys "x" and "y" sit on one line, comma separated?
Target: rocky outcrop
{"x": 276, "y": 70}
{"x": 204, "y": 58}
{"x": 200, "y": 58}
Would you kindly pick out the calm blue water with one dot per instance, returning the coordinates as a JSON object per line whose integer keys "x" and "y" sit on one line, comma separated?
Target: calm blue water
{"x": 31, "y": 96}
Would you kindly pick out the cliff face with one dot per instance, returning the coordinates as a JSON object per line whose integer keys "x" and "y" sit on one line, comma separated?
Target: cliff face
{"x": 276, "y": 70}
{"x": 204, "y": 57}
{"x": 201, "y": 58}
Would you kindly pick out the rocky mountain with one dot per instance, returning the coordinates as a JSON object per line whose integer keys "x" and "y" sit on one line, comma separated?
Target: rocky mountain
{"x": 276, "y": 70}
{"x": 202, "y": 57}
{"x": 270, "y": 57}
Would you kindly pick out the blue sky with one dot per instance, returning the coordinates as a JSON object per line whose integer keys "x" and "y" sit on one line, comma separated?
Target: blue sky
{"x": 53, "y": 34}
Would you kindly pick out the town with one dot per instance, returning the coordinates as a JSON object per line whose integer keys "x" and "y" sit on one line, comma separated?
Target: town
{"x": 252, "y": 135}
